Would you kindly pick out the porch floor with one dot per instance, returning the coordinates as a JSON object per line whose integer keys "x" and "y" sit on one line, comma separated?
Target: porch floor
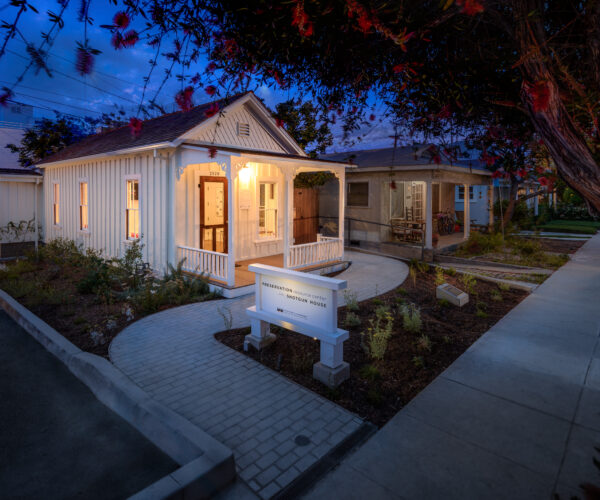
{"x": 243, "y": 277}
{"x": 447, "y": 240}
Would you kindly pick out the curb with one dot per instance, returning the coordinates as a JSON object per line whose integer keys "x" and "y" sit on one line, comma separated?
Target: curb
{"x": 207, "y": 466}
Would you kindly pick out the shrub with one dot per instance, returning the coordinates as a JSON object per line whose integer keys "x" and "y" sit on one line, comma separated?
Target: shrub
{"x": 351, "y": 320}
{"x": 505, "y": 287}
{"x": 411, "y": 318}
{"x": 480, "y": 243}
{"x": 370, "y": 372}
{"x": 439, "y": 276}
{"x": 413, "y": 274}
{"x": 351, "y": 299}
{"x": 481, "y": 308}
{"x": 424, "y": 343}
{"x": 496, "y": 296}
{"x": 418, "y": 361}
{"x": 469, "y": 282}
{"x": 401, "y": 291}
{"x": 375, "y": 339}
{"x": 419, "y": 265}
{"x": 15, "y": 269}
{"x": 444, "y": 302}
{"x": 451, "y": 271}
{"x": 377, "y": 302}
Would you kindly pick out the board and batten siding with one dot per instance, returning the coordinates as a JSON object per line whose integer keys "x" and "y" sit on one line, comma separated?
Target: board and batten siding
{"x": 17, "y": 203}
{"x": 227, "y": 132}
{"x": 106, "y": 180}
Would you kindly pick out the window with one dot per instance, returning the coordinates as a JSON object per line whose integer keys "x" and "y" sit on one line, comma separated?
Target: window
{"x": 358, "y": 194}
{"x": 83, "y": 206}
{"x": 56, "y": 203}
{"x": 267, "y": 210}
{"x": 132, "y": 212}
{"x": 461, "y": 193}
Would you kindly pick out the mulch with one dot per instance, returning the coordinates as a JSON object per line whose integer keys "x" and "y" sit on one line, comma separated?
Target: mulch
{"x": 560, "y": 246}
{"x": 377, "y": 390}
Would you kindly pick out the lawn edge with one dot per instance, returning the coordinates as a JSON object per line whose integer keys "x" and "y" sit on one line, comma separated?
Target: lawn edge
{"x": 206, "y": 465}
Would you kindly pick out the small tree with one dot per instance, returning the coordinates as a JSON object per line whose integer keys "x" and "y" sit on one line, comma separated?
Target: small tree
{"x": 301, "y": 121}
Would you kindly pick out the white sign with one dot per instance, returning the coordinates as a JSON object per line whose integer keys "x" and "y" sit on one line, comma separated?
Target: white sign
{"x": 304, "y": 303}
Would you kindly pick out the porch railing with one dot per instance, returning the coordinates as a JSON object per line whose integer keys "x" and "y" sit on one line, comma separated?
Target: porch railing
{"x": 198, "y": 261}
{"x": 325, "y": 249}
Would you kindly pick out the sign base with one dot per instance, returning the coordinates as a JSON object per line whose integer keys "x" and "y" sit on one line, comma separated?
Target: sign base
{"x": 259, "y": 342}
{"x": 331, "y": 377}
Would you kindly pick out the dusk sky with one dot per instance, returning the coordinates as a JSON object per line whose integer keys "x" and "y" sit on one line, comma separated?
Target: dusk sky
{"x": 117, "y": 78}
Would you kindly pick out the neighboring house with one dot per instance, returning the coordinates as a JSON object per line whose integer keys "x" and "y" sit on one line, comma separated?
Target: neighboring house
{"x": 405, "y": 184}
{"x": 20, "y": 195}
{"x": 214, "y": 191}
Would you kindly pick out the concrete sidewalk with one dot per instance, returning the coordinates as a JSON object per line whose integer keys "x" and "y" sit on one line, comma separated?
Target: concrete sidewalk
{"x": 516, "y": 416}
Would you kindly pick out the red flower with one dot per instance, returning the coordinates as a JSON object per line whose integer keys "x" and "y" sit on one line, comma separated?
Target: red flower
{"x": 497, "y": 174}
{"x": 279, "y": 122}
{"x": 212, "y": 110}
{"x": 445, "y": 112}
{"x": 538, "y": 94}
{"x": 121, "y": 20}
{"x": 210, "y": 90}
{"x": 130, "y": 38}
{"x": 212, "y": 152}
{"x": 372, "y": 117}
{"x": 470, "y": 7}
{"x": 84, "y": 61}
{"x": 116, "y": 40}
{"x": 522, "y": 173}
{"x": 301, "y": 19}
{"x": 212, "y": 66}
{"x": 399, "y": 68}
{"x": 135, "y": 125}
{"x": 488, "y": 159}
{"x": 184, "y": 99}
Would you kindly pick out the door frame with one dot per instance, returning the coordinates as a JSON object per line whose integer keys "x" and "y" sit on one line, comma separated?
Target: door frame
{"x": 225, "y": 226}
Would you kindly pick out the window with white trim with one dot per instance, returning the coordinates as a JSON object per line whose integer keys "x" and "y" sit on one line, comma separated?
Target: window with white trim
{"x": 267, "y": 210}
{"x": 357, "y": 194}
{"x": 132, "y": 210}
{"x": 83, "y": 206}
{"x": 56, "y": 203}
{"x": 461, "y": 193}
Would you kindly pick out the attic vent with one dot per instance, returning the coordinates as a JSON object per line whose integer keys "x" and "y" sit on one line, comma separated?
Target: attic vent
{"x": 243, "y": 129}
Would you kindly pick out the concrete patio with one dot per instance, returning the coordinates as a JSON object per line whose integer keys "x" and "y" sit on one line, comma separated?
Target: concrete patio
{"x": 516, "y": 416}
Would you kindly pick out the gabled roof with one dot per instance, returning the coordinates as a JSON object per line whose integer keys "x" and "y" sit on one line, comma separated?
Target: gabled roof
{"x": 163, "y": 129}
{"x": 404, "y": 156}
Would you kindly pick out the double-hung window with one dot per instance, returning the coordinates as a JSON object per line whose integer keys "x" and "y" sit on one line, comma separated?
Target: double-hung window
{"x": 83, "y": 206}
{"x": 132, "y": 210}
{"x": 56, "y": 203}
{"x": 357, "y": 194}
{"x": 461, "y": 193}
{"x": 267, "y": 210}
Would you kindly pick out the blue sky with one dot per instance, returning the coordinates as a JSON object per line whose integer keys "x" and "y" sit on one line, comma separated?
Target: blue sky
{"x": 117, "y": 78}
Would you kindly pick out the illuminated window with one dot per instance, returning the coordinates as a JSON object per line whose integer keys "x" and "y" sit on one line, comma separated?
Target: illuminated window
{"x": 83, "y": 206}
{"x": 56, "y": 204}
{"x": 132, "y": 212}
{"x": 267, "y": 210}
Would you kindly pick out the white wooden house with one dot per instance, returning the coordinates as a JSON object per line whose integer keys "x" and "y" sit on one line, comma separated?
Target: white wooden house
{"x": 216, "y": 191}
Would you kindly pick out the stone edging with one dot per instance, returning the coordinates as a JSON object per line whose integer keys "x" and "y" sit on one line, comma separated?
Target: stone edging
{"x": 207, "y": 465}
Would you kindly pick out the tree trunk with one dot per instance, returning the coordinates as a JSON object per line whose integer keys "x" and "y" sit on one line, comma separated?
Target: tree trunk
{"x": 512, "y": 201}
{"x": 567, "y": 145}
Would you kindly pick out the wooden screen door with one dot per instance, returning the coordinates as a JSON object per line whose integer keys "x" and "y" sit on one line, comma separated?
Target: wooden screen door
{"x": 213, "y": 214}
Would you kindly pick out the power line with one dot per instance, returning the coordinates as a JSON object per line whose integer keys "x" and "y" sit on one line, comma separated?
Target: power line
{"x": 37, "y": 106}
{"x": 59, "y": 103}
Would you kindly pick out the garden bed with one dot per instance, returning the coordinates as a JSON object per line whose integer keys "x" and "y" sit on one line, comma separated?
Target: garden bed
{"x": 559, "y": 246}
{"x": 89, "y": 299}
{"x": 379, "y": 388}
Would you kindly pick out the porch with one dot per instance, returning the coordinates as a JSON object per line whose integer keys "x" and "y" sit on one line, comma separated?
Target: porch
{"x": 238, "y": 209}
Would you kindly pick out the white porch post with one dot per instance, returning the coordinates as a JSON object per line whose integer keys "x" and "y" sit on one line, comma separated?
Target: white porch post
{"x": 467, "y": 211}
{"x": 491, "y": 206}
{"x": 230, "y": 173}
{"x": 536, "y": 204}
{"x": 171, "y": 249}
{"x": 341, "y": 175}
{"x": 288, "y": 214}
{"x": 428, "y": 214}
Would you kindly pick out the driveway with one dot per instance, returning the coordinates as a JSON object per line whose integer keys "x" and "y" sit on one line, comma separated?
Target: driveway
{"x": 57, "y": 440}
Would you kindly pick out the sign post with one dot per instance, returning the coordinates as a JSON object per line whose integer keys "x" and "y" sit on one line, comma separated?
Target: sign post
{"x": 304, "y": 303}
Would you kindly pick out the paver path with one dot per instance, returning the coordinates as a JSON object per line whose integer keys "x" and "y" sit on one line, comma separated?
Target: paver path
{"x": 517, "y": 416}
{"x": 255, "y": 411}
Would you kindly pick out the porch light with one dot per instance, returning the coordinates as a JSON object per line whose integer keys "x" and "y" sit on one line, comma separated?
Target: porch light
{"x": 244, "y": 174}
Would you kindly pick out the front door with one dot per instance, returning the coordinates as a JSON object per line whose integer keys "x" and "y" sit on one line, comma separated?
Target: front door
{"x": 213, "y": 214}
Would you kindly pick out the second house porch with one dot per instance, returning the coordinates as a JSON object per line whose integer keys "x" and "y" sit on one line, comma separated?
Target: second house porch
{"x": 239, "y": 208}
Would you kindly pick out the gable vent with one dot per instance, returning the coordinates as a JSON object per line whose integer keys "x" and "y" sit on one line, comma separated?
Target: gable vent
{"x": 243, "y": 129}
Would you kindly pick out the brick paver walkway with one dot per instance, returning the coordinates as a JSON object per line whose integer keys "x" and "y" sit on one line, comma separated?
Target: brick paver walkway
{"x": 255, "y": 411}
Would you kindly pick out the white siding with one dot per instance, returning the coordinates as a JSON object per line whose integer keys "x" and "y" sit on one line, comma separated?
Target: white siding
{"x": 106, "y": 202}
{"x": 227, "y": 133}
{"x": 17, "y": 203}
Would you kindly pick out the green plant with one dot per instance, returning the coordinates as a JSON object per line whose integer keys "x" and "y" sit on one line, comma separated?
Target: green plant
{"x": 377, "y": 302}
{"x": 480, "y": 243}
{"x": 412, "y": 272}
{"x": 375, "y": 397}
{"x": 469, "y": 281}
{"x": 351, "y": 299}
{"x": 369, "y": 372}
{"x": 481, "y": 314}
{"x": 401, "y": 291}
{"x": 447, "y": 339}
{"x": 15, "y": 269}
{"x": 418, "y": 361}
{"x": 411, "y": 318}
{"x": 351, "y": 320}
{"x": 423, "y": 343}
{"x": 505, "y": 287}
{"x": 496, "y": 296}
{"x": 451, "y": 271}
{"x": 481, "y": 310}
{"x": 227, "y": 317}
{"x": 439, "y": 276}
{"x": 302, "y": 361}
{"x": 375, "y": 339}
{"x": 444, "y": 302}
